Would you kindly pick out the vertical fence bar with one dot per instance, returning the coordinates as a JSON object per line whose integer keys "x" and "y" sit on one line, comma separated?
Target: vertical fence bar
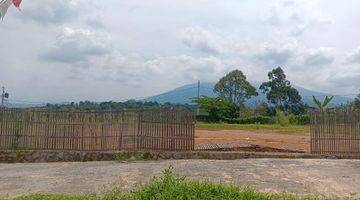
{"x": 159, "y": 129}
{"x": 335, "y": 132}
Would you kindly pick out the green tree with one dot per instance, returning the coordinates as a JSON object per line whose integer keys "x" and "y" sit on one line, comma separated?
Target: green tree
{"x": 279, "y": 91}
{"x": 217, "y": 108}
{"x": 235, "y": 88}
{"x": 356, "y": 103}
{"x": 262, "y": 109}
{"x": 322, "y": 105}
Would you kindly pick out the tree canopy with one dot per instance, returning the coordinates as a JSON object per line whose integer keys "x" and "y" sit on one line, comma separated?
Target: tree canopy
{"x": 357, "y": 102}
{"x": 217, "y": 108}
{"x": 110, "y": 105}
{"x": 235, "y": 88}
{"x": 279, "y": 92}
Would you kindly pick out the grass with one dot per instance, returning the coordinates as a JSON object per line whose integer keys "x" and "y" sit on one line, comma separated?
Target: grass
{"x": 275, "y": 128}
{"x": 171, "y": 187}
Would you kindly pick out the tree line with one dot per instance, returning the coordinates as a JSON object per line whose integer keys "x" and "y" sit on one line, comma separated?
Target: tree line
{"x": 284, "y": 103}
{"x": 111, "y": 105}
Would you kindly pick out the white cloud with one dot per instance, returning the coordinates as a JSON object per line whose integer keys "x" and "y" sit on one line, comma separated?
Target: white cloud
{"x": 296, "y": 16}
{"x": 135, "y": 48}
{"x": 318, "y": 57}
{"x": 272, "y": 56}
{"x": 77, "y": 45}
{"x": 50, "y": 12}
{"x": 203, "y": 40}
{"x": 354, "y": 56}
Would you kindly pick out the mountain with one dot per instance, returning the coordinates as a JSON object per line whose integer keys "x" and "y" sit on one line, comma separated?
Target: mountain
{"x": 184, "y": 94}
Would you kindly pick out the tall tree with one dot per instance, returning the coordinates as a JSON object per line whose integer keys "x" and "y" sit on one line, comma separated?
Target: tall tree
{"x": 279, "y": 91}
{"x": 235, "y": 88}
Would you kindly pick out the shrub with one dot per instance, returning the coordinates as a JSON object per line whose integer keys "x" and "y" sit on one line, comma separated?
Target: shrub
{"x": 282, "y": 119}
{"x": 252, "y": 120}
{"x": 299, "y": 119}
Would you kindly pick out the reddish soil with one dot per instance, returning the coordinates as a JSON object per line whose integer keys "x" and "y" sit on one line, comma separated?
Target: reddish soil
{"x": 263, "y": 139}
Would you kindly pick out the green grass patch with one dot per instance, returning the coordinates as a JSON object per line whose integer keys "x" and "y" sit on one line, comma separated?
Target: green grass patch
{"x": 276, "y": 128}
{"x": 171, "y": 187}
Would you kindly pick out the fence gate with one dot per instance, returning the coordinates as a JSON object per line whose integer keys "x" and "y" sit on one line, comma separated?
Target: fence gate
{"x": 155, "y": 129}
{"x": 335, "y": 132}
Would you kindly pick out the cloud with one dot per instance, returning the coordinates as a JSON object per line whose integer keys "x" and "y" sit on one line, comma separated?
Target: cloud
{"x": 130, "y": 48}
{"x": 77, "y": 45}
{"x": 95, "y": 24}
{"x": 347, "y": 82}
{"x": 354, "y": 56}
{"x": 202, "y": 40}
{"x": 136, "y": 70}
{"x": 294, "y": 17}
{"x": 49, "y": 12}
{"x": 275, "y": 55}
{"x": 318, "y": 57}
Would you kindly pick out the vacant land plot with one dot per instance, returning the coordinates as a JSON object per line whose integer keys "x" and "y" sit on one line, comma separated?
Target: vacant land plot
{"x": 275, "y": 128}
{"x": 273, "y": 136}
{"x": 320, "y": 177}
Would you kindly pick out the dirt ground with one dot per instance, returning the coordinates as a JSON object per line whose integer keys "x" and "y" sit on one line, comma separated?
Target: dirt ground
{"x": 261, "y": 138}
{"x": 320, "y": 177}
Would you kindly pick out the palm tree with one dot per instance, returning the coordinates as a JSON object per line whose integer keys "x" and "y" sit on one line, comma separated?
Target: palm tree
{"x": 323, "y": 106}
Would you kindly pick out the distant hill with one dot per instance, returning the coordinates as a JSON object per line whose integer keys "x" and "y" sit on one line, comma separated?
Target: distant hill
{"x": 23, "y": 105}
{"x": 186, "y": 93}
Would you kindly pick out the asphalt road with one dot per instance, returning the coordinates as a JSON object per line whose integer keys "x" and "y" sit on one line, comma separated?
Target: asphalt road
{"x": 331, "y": 178}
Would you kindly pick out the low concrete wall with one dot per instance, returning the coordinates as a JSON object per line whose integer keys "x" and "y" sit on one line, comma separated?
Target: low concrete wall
{"x": 72, "y": 156}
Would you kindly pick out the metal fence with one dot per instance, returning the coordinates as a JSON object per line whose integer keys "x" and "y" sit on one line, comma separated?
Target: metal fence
{"x": 155, "y": 129}
{"x": 335, "y": 132}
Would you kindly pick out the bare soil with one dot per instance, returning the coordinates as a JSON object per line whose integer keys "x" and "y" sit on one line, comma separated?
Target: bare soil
{"x": 264, "y": 139}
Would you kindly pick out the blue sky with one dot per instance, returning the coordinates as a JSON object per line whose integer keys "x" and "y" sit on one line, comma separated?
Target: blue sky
{"x": 73, "y": 50}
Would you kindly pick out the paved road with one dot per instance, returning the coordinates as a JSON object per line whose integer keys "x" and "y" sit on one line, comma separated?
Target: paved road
{"x": 320, "y": 177}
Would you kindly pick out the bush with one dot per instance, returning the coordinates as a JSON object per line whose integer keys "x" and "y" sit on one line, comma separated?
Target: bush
{"x": 206, "y": 118}
{"x": 282, "y": 119}
{"x": 299, "y": 119}
{"x": 252, "y": 120}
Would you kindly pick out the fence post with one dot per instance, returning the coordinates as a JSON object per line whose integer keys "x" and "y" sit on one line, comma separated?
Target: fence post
{"x": 139, "y": 132}
{"x": 1, "y": 128}
{"x": 121, "y": 130}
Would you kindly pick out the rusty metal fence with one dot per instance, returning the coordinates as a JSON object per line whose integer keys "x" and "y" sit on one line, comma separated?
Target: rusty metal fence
{"x": 150, "y": 129}
{"x": 335, "y": 132}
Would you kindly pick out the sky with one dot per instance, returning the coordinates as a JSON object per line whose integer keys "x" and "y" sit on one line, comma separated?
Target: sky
{"x": 73, "y": 50}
